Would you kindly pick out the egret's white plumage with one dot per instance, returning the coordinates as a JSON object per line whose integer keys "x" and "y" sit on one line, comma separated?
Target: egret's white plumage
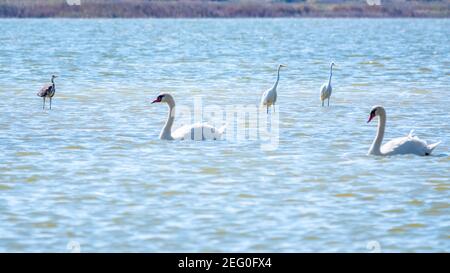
{"x": 269, "y": 97}
{"x": 409, "y": 144}
{"x": 326, "y": 89}
{"x": 197, "y": 131}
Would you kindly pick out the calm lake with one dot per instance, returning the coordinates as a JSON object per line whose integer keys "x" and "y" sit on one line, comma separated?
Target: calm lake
{"x": 92, "y": 175}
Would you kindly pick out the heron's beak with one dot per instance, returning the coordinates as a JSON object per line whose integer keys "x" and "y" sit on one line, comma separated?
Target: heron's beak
{"x": 372, "y": 115}
{"x": 156, "y": 100}
{"x": 283, "y": 65}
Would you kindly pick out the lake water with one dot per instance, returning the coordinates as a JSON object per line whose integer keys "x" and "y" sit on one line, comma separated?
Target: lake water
{"x": 92, "y": 172}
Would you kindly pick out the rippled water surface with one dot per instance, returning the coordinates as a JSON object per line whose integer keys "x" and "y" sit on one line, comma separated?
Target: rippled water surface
{"x": 93, "y": 172}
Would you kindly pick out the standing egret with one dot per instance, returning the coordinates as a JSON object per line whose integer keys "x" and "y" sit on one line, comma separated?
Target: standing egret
{"x": 269, "y": 97}
{"x": 48, "y": 91}
{"x": 325, "y": 90}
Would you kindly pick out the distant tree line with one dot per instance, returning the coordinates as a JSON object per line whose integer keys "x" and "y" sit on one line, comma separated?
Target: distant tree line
{"x": 222, "y": 8}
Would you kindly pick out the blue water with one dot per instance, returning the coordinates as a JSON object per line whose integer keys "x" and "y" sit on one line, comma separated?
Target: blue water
{"x": 92, "y": 172}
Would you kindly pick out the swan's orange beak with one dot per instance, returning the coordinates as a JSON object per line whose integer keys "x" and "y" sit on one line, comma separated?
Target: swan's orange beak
{"x": 372, "y": 115}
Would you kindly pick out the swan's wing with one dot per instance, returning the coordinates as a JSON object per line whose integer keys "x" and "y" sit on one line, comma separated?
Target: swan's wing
{"x": 405, "y": 145}
{"x": 211, "y": 132}
{"x": 432, "y": 146}
{"x": 197, "y": 131}
{"x": 222, "y": 129}
{"x": 182, "y": 132}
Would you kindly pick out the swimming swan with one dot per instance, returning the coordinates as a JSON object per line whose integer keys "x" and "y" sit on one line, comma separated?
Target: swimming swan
{"x": 197, "y": 131}
{"x": 403, "y": 145}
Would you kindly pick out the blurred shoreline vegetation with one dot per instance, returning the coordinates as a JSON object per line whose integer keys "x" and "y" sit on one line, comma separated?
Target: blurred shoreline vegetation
{"x": 222, "y": 8}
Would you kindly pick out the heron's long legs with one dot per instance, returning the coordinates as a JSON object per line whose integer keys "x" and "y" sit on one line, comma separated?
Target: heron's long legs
{"x": 43, "y": 105}
{"x": 50, "y": 103}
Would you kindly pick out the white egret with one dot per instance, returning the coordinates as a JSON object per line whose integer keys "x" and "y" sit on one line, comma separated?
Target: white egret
{"x": 403, "y": 145}
{"x": 269, "y": 97}
{"x": 325, "y": 90}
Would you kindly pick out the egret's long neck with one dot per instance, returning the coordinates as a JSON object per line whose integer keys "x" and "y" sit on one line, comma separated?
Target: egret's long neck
{"x": 278, "y": 77}
{"x": 53, "y": 81}
{"x": 331, "y": 74}
{"x": 376, "y": 145}
{"x": 166, "y": 132}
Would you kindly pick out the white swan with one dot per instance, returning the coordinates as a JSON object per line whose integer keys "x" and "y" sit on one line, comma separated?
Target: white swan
{"x": 269, "y": 97}
{"x": 197, "y": 131}
{"x": 325, "y": 89}
{"x": 403, "y": 145}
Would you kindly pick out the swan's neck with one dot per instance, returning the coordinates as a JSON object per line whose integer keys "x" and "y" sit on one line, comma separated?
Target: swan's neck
{"x": 375, "y": 149}
{"x": 331, "y": 74}
{"x": 166, "y": 132}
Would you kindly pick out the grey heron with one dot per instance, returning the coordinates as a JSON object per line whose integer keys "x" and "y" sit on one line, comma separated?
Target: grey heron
{"x": 48, "y": 91}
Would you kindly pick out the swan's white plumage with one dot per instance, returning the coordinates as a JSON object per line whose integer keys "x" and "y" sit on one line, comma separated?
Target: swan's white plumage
{"x": 409, "y": 144}
{"x": 196, "y": 131}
